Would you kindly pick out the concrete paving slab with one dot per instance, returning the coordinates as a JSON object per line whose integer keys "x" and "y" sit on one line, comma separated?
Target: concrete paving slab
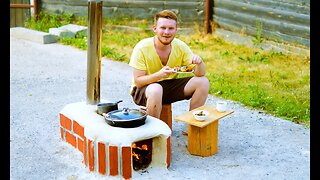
{"x": 33, "y": 35}
{"x": 74, "y": 28}
{"x": 61, "y": 32}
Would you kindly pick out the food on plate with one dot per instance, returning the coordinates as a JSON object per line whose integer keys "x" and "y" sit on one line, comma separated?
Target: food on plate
{"x": 188, "y": 68}
{"x": 200, "y": 113}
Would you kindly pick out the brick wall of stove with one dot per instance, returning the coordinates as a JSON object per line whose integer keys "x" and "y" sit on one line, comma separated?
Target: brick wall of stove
{"x": 95, "y": 154}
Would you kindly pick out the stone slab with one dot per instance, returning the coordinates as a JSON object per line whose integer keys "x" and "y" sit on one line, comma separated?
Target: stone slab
{"x": 74, "y": 28}
{"x": 61, "y": 32}
{"x": 33, "y": 35}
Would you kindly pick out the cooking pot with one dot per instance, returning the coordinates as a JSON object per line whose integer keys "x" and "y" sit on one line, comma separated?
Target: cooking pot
{"x": 127, "y": 118}
{"x": 104, "y": 107}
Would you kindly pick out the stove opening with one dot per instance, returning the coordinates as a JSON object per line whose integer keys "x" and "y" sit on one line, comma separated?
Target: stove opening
{"x": 141, "y": 154}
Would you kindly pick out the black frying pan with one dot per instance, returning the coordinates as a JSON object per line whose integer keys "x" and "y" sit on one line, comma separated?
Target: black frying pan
{"x": 126, "y": 118}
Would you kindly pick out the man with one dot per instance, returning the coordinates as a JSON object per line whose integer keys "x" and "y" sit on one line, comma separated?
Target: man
{"x": 154, "y": 78}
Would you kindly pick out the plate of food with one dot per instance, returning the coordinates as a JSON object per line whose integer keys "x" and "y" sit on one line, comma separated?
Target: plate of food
{"x": 184, "y": 69}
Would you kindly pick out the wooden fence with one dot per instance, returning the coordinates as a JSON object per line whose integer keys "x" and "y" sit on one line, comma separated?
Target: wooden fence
{"x": 278, "y": 20}
{"x": 20, "y": 11}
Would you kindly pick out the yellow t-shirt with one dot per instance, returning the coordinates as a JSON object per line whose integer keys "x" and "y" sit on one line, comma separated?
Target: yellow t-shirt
{"x": 145, "y": 57}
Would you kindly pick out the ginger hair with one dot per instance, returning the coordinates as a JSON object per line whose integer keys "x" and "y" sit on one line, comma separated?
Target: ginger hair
{"x": 165, "y": 14}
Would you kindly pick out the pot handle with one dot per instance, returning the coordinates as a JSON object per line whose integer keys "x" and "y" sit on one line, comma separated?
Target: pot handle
{"x": 119, "y": 102}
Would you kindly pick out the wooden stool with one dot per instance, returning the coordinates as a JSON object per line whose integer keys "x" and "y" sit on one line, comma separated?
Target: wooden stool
{"x": 166, "y": 115}
{"x": 203, "y": 135}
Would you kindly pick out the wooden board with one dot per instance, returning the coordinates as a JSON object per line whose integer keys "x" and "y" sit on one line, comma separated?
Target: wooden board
{"x": 214, "y": 115}
{"x": 203, "y": 141}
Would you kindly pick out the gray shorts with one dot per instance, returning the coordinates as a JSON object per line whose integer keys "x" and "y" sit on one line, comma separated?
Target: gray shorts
{"x": 172, "y": 91}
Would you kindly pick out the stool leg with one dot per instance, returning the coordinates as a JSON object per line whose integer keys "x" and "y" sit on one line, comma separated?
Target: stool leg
{"x": 166, "y": 115}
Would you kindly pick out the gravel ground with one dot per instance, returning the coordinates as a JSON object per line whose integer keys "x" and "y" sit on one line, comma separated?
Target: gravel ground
{"x": 45, "y": 78}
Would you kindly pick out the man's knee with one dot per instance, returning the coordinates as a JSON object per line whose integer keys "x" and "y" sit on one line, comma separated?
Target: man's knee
{"x": 203, "y": 83}
{"x": 154, "y": 90}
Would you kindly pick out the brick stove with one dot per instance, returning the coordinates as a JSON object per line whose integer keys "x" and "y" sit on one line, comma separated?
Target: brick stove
{"x": 108, "y": 150}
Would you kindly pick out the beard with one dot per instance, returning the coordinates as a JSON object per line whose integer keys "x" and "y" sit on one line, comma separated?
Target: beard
{"x": 166, "y": 41}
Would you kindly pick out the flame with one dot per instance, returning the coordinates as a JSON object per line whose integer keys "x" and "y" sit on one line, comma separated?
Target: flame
{"x": 135, "y": 155}
{"x": 141, "y": 156}
{"x": 144, "y": 147}
{"x": 134, "y": 146}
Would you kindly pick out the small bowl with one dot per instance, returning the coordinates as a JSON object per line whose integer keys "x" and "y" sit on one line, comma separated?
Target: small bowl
{"x": 200, "y": 115}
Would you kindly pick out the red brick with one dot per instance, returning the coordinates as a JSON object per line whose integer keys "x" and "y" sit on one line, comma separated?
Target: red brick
{"x": 85, "y": 151}
{"x": 65, "y": 122}
{"x": 91, "y": 155}
{"x": 80, "y": 145}
{"x": 78, "y": 129}
{"x": 71, "y": 139}
{"x": 126, "y": 162}
{"x": 102, "y": 158}
{"x": 168, "y": 151}
{"x": 62, "y": 133}
{"x": 113, "y": 158}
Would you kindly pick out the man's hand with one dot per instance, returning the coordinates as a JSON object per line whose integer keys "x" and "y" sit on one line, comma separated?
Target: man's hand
{"x": 200, "y": 68}
{"x": 195, "y": 59}
{"x": 165, "y": 72}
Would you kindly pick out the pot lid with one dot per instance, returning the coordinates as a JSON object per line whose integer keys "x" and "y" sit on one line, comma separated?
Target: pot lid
{"x": 126, "y": 114}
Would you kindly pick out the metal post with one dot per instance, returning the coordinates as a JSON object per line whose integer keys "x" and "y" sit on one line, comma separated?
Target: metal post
{"x": 94, "y": 51}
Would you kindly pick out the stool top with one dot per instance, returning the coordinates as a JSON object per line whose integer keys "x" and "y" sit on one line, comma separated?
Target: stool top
{"x": 213, "y": 116}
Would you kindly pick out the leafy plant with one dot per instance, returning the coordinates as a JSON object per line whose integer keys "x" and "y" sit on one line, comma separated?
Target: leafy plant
{"x": 258, "y": 36}
{"x": 45, "y": 21}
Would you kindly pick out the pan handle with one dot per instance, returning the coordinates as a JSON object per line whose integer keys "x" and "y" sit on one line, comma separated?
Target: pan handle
{"x": 107, "y": 117}
{"x": 105, "y": 114}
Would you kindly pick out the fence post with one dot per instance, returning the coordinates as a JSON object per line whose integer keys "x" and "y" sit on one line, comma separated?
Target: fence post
{"x": 209, "y": 16}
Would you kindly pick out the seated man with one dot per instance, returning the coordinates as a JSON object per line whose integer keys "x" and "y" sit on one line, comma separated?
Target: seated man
{"x": 154, "y": 60}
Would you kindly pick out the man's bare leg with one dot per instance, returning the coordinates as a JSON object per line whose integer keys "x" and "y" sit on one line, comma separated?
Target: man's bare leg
{"x": 154, "y": 100}
{"x": 199, "y": 88}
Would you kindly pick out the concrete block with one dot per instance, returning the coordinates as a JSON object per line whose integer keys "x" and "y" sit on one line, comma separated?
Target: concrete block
{"x": 74, "y": 28}
{"x": 33, "y": 35}
{"x": 61, "y": 32}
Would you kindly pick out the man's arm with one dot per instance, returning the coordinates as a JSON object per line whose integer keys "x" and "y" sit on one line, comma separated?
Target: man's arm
{"x": 141, "y": 79}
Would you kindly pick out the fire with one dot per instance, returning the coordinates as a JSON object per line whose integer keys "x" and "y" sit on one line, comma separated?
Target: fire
{"x": 141, "y": 156}
{"x": 135, "y": 155}
{"x": 144, "y": 147}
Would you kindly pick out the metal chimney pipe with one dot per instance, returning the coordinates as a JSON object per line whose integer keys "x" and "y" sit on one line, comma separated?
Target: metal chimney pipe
{"x": 94, "y": 51}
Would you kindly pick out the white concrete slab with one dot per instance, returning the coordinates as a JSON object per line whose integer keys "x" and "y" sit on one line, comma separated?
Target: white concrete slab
{"x": 33, "y": 35}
